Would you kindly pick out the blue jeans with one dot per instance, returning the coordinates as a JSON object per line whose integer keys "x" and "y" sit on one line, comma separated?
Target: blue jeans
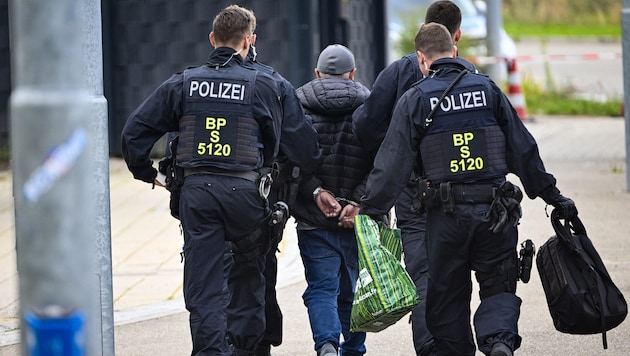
{"x": 331, "y": 267}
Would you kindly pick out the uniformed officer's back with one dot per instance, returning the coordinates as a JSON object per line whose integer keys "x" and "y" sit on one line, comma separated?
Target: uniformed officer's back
{"x": 228, "y": 120}
{"x": 461, "y": 134}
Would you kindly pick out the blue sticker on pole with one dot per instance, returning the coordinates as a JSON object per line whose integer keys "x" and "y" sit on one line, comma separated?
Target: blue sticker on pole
{"x": 55, "y": 331}
{"x": 57, "y": 163}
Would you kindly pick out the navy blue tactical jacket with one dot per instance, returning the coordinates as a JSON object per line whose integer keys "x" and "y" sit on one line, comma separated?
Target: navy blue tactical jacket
{"x": 370, "y": 120}
{"x": 161, "y": 110}
{"x": 399, "y": 151}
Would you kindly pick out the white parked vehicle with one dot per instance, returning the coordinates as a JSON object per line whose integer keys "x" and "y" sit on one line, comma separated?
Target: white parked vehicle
{"x": 473, "y": 27}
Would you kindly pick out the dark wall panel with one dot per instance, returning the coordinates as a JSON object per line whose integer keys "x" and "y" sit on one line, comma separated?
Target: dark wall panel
{"x": 145, "y": 41}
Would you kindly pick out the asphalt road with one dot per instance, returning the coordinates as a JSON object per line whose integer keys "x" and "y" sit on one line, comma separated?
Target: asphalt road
{"x": 586, "y": 155}
{"x": 591, "y": 67}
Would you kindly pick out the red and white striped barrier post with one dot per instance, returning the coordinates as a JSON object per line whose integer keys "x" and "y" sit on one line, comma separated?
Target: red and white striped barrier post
{"x": 515, "y": 91}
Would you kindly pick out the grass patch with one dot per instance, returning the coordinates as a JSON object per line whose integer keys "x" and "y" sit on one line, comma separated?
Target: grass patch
{"x": 562, "y": 101}
{"x": 545, "y": 19}
{"x": 519, "y": 30}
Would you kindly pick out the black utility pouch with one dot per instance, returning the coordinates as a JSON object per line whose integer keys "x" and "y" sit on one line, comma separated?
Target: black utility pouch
{"x": 427, "y": 194}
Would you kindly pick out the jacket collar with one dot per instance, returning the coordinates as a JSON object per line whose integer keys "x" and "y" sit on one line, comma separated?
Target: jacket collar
{"x": 224, "y": 57}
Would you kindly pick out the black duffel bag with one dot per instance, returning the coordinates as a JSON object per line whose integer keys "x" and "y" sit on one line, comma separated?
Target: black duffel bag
{"x": 581, "y": 296}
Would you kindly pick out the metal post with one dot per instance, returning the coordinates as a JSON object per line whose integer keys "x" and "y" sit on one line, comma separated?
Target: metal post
{"x": 53, "y": 179}
{"x": 625, "y": 31}
{"x": 494, "y": 23}
{"x": 93, "y": 69}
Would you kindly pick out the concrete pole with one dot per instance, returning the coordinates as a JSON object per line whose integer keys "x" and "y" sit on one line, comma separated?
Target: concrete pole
{"x": 93, "y": 68}
{"x": 625, "y": 32}
{"x": 494, "y": 22}
{"x": 53, "y": 179}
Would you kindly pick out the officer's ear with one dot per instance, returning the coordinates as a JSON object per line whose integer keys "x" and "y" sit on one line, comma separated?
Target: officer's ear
{"x": 454, "y": 51}
{"x": 457, "y": 36}
{"x": 318, "y": 75}
{"x": 245, "y": 43}
{"x": 421, "y": 58}
{"x": 212, "y": 40}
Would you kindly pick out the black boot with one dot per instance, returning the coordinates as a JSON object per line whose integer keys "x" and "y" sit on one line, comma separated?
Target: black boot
{"x": 500, "y": 349}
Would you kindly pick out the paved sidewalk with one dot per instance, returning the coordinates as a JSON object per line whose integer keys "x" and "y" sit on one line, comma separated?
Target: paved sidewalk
{"x": 146, "y": 264}
{"x": 587, "y": 156}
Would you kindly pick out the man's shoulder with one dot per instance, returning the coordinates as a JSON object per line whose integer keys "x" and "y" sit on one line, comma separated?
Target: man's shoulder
{"x": 269, "y": 70}
{"x": 263, "y": 67}
{"x": 405, "y": 61}
{"x": 405, "y": 68}
{"x": 408, "y": 61}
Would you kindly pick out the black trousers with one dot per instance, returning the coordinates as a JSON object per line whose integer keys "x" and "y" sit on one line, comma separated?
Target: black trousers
{"x": 459, "y": 243}
{"x": 215, "y": 209}
{"x": 412, "y": 225}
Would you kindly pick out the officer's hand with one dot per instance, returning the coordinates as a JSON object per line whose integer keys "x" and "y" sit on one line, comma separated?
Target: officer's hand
{"x": 346, "y": 218}
{"x": 327, "y": 204}
{"x": 565, "y": 206}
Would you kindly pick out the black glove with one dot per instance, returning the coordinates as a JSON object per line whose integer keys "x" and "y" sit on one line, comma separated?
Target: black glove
{"x": 505, "y": 210}
{"x": 565, "y": 206}
{"x": 504, "y": 213}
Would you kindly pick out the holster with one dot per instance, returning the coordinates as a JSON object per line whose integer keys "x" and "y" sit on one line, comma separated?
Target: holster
{"x": 277, "y": 222}
{"x": 287, "y": 182}
{"x": 266, "y": 236}
{"x": 526, "y": 258}
{"x": 174, "y": 177}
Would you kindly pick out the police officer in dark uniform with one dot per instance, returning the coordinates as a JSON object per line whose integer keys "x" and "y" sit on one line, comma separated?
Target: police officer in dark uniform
{"x": 370, "y": 122}
{"x": 299, "y": 155}
{"x": 462, "y": 134}
{"x": 228, "y": 119}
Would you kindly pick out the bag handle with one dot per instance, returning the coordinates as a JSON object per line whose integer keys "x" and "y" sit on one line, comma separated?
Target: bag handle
{"x": 564, "y": 233}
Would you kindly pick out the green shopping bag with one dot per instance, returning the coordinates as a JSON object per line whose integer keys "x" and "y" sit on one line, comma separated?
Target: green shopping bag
{"x": 385, "y": 292}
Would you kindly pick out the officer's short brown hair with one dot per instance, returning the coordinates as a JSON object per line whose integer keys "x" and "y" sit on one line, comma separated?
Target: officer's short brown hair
{"x": 434, "y": 40}
{"x": 231, "y": 25}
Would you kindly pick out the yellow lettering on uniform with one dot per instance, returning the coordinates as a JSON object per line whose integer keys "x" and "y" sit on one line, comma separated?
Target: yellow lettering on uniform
{"x": 221, "y": 121}
{"x": 468, "y": 136}
{"x": 464, "y": 151}
{"x": 215, "y": 136}
{"x": 211, "y": 123}
{"x": 458, "y": 139}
